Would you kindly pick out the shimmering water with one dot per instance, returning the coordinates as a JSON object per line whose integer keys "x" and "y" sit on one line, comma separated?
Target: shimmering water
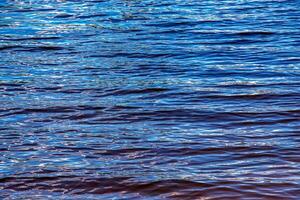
{"x": 173, "y": 99}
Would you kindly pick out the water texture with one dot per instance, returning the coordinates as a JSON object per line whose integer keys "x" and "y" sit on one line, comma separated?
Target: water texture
{"x": 173, "y": 99}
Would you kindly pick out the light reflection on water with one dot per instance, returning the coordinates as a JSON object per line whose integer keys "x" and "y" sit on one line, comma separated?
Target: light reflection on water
{"x": 149, "y": 100}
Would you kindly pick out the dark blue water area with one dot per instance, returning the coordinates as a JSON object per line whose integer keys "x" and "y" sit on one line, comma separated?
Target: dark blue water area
{"x": 173, "y": 99}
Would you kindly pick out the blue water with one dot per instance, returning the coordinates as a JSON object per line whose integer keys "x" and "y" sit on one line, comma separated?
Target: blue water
{"x": 120, "y": 99}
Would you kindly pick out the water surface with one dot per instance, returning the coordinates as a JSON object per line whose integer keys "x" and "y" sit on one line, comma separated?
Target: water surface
{"x": 120, "y": 99}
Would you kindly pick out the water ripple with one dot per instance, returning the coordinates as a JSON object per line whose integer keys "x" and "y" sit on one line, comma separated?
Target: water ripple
{"x": 113, "y": 99}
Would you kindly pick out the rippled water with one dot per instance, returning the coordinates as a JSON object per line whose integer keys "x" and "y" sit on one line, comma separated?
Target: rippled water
{"x": 120, "y": 99}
